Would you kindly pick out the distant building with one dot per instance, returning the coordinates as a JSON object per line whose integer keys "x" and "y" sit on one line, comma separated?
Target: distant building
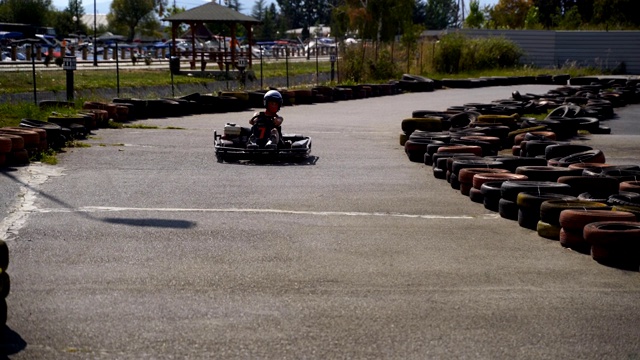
{"x": 101, "y": 20}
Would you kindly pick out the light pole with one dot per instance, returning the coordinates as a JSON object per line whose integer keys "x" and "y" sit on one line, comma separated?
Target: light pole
{"x": 95, "y": 45}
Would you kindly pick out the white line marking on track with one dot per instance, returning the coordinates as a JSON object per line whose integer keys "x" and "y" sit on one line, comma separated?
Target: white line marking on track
{"x": 94, "y": 209}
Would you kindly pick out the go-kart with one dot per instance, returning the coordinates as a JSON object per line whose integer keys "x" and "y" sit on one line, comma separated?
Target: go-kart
{"x": 232, "y": 146}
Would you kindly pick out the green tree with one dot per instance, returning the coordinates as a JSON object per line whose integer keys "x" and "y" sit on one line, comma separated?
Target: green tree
{"x": 259, "y": 9}
{"x": 128, "y": 14}
{"x": 571, "y": 19}
{"x": 34, "y": 12}
{"x": 441, "y": 14}
{"x": 510, "y": 14}
{"x": 532, "y": 21}
{"x": 475, "y": 19}
{"x": 268, "y": 29}
{"x": 419, "y": 14}
{"x": 616, "y": 13}
{"x": 76, "y": 9}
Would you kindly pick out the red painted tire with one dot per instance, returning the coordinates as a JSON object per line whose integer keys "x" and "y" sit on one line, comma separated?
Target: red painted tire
{"x": 17, "y": 142}
{"x": 613, "y": 233}
{"x": 476, "y": 150}
{"x": 577, "y": 219}
{"x": 573, "y": 240}
{"x": 482, "y": 178}
{"x": 589, "y": 166}
{"x": 615, "y": 257}
{"x": 5, "y": 144}
{"x": 31, "y": 138}
{"x": 633, "y": 186}
{"x": 466, "y": 175}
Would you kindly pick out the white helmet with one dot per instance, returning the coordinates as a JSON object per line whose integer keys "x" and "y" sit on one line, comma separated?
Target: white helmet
{"x": 272, "y": 95}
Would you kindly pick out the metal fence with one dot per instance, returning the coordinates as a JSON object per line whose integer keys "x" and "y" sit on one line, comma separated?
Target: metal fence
{"x": 605, "y": 50}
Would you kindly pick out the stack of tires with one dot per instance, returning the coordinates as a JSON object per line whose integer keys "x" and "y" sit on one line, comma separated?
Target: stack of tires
{"x": 23, "y": 143}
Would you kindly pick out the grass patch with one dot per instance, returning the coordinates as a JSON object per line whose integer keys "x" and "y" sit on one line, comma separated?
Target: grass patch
{"x": 77, "y": 144}
{"x": 48, "y": 157}
{"x": 140, "y": 126}
{"x": 175, "y": 128}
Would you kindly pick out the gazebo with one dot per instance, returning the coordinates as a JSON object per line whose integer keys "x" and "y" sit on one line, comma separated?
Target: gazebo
{"x": 213, "y": 13}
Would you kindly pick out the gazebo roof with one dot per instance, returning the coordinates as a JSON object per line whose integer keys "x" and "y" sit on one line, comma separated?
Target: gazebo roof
{"x": 211, "y": 12}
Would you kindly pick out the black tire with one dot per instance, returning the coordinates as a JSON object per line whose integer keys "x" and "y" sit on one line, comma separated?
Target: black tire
{"x": 589, "y": 156}
{"x": 491, "y": 192}
{"x": 546, "y": 173}
{"x": 602, "y": 187}
{"x": 508, "y": 209}
{"x": 632, "y": 199}
{"x": 533, "y": 148}
{"x": 509, "y": 190}
{"x": 621, "y": 174}
{"x": 417, "y": 148}
{"x": 4, "y": 256}
{"x": 564, "y": 149}
{"x": 511, "y": 163}
{"x": 476, "y": 195}
{"x": 528, "y": 218}
{"x": 5, "y": 285}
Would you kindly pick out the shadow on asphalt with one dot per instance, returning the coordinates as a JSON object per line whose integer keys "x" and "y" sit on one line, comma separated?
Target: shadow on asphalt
{"x": 11, "y": 343}
{"x": 160, "y": 223}
{"x": 311, "y": 160}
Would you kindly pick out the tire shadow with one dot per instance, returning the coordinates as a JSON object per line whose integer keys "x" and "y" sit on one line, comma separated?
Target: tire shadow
{"x": 11, "y": 343}
{"x": 151, "y": 222}
{"x": 311, "y": 160}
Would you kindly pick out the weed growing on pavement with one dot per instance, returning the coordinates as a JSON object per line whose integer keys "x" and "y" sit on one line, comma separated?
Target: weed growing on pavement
{"x": 46, "y": 157}
{"x": 76, "y": 144}
{"x": 140, "y": 126}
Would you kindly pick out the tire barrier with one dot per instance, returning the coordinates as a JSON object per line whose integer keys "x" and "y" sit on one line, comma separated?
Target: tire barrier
{"x": 416, "y": 148}
{"x": 550, "y": 213}
{"x": 529, "y": 206}
{"x": 573, "y": 222}
{"x": 545, "y": 174}
{"x": 466, "y": 176}
{"x": 20, "y": 143}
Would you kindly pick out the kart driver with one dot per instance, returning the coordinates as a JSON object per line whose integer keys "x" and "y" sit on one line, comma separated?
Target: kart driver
{"x": 267, "y": 123}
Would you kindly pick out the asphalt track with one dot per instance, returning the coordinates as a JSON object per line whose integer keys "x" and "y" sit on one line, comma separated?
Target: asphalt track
{"x": 143, "y": 246}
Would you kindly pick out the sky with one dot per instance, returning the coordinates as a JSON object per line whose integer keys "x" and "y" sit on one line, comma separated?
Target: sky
{"x": 102, "y": 6}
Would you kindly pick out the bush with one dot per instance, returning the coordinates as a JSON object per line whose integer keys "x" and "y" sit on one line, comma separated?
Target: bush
{"x": 383, "y": 68}
{"x": 456, "y": 53}
{"x": 352, "y": 68}
{"x": 448, "y": 56}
